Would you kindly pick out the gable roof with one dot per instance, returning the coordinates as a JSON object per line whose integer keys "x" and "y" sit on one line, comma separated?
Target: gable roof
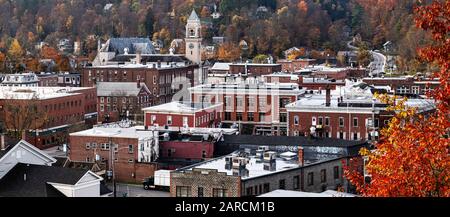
{"x": 26, "y": 180}
{"x": 30, "y": 147}
{"x": 134, "y": 45}
{"x": 119, "y": 88}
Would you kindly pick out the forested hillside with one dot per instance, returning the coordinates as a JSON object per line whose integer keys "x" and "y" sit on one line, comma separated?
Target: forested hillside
{"x": 313, "y": 24}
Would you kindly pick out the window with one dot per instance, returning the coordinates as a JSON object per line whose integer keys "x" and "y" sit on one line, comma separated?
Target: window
{"x": 282, "y": 184}
{"x": 102, "y": 99}
{"x": 169, "y": 152}
{"x": 310, "y": 179}
{"x": 185, "y": 121}
{"x": 251, "y": 103}
{"x": 262, "y": 103}
{"x": 239, "y": 116}
{"x": 323, "y": 175}
{"x": 250, "y": 116}
{"x": 183, "y": 191}
{"x": 341, "y": 122}
{"x": 88, "y": 159}
{"x": 219, "y": 192}
{"x": 296, "y": 182}
{"x": 355, "y": 122}
{"x": 327, "y": 121}
{"x": 153, "y": 119}
{"x": 313, "y": 121}
{"x": 249, "y": 191}
{"x": 283, "y": 117}
{"x": 284, "y": 102}
{"x": 228, "y": 116}
{"x": 228, "y": 103}
{"x": 130, "y": 149}
{"x": 320, "y": 120}
{"x": 240, "y": 103}
{"x": 203, "y": 154}
{"x": 415, "y": 90}
{"x": 88, "y": 146}
{"x": 262, "y": 117}
{"x": 169, "y": 120}
{"x": 296, "y": 120}
{"x": 336, "y": 172}
{"x": 104, "y": 146}
{"x": 341, "y": 135}
{"x": 266, "y": 187}
{"x": 355, "y": 136}
{"x": 200, "y": 192}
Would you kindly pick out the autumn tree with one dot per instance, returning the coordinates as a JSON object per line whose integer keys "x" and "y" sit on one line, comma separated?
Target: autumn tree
{"x": 260, "y": 58}
{"x": 228, "y": 52}
{"x": 411, "y": 158}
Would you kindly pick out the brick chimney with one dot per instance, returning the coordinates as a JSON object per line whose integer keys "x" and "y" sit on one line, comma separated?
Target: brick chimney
{"x": 328, "y": 96}
{"x": 301, "y": 156}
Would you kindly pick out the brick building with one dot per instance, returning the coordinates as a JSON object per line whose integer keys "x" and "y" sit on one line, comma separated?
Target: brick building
{"x": 294, "y": 65}
{"x": 345, "y": 113}
{"x": 254, "y": 69}
{"x": 62, "y": 110}
{"x": 134, "y": 151}
{"x": 257, "y": 107}
{"x": 182, "y": 114}
{"x": 122, "y": 100}
{"x": 304, "y": 82}
{"x": 407, "y": 85}
{"x": 163, "y": 79}
{"x": 289, "y": 163}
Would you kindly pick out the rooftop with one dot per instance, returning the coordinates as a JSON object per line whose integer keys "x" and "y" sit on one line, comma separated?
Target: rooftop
{"x": 287, "y": 193}
{"x": 129, "y": 45}
{"x": 120, "y": 88}
{"x": 282, "y": 88}
{"x": 180, "y": 107}
{"x": 115, "y": 132}
{"x": 26, "y": 180}
{"x": 38, "y": 92}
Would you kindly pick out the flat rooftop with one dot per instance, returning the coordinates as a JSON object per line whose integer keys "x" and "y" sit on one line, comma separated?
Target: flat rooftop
{"x": 38, "y": 92}
{"x": 180, "y": 107}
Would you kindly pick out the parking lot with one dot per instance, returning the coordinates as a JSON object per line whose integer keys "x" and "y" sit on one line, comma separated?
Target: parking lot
{"x": 132, "y": 190}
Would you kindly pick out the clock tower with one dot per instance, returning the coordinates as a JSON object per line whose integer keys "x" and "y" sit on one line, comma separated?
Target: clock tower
{"x": 193, "y": 39}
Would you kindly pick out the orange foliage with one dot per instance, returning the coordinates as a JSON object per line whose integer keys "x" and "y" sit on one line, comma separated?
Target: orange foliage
{"x": 412, "y": 158}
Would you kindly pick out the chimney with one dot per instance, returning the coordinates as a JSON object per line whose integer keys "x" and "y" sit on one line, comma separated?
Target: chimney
{"x": 2, "y": 142}
{"x": 328, "y": 96}
{"x": 138, "y": 58}
{"x": 300, "y": 79}
{"x": 301, "y": 156}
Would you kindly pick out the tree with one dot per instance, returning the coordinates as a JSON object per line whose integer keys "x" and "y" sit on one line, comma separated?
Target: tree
{"x": 363, "y": 56}
{"x": 260, "y": 58}
{"x": 21, "y": 115}
{"x": 228, "y": 52}
{"x": 15, "y": 51}
{"x": 411, "y": 158}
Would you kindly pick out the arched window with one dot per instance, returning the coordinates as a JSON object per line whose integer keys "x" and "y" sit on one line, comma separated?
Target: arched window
{"x": 192, "y": 32}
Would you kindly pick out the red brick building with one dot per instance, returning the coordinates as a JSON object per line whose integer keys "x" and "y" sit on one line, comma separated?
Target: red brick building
{"x": 407, "y": 85}
{"x": 254, "y": 69}
{"x": 344, "y": 114}
{"x": 122, "y": 100}
{"x": 304, "y": 82}
{"x": 294, "y": 65}
{"x": 62, "y": 109}
{"x": 181, "y": 114}
{"x": 134, "y": 151}
{"x": 256, "y": 108}
{"x": 163, "y": 79}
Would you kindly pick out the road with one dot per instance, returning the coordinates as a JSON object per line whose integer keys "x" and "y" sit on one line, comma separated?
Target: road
{"x": 378, "y": 64}
{"x": 131, "y": 190}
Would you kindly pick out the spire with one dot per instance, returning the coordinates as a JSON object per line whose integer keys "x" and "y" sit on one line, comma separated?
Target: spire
{"x": 193, "y": 16}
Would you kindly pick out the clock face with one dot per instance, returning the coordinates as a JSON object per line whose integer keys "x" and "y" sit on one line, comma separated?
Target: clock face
{"x": 191, "y": 46}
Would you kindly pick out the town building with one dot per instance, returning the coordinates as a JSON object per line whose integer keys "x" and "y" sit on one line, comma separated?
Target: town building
{"x": 194, "y": 38}
{"x": 19, "y": 80}
{"x": 286, "y": 193}
{"x": 26, "y": 171}
{"x": 406, "y": 85}
{"x": 60, "y": 109}
{"x": 257, "y": 108}
{"x": 183, "y": 114}
{"x": 122, "y": 100}
{"x": 310, "y": 166}
{"x": 47, "y": 79}
{"x": 295, "y": 65}
{"x": 351, "y": 112}
{"x": 139, "y": 151}
{"x": 254, "y": 69}
{"x": 304, "y": 82}
{"x": 134, "y": 151}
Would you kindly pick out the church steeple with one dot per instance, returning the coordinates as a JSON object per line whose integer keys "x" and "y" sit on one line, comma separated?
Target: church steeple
{"x": 193, "y": 38}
